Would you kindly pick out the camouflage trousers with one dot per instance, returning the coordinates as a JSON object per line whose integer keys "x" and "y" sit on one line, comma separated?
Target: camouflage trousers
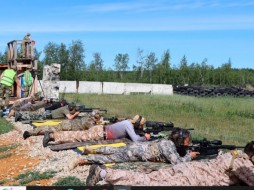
{"x": 5, "y": 92}
{"x": 31, "y": 107}
{"x": 131, "y": 153}
{"x": 65, "y": 125}
{"x": 27, "y": 115}
{"x": 215, "y": 172}
{"x": 21, "y": 102}
{"x": 93, "y": 133}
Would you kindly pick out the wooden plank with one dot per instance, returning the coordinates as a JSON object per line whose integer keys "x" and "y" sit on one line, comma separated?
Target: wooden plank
{"x": 73, "y": 145}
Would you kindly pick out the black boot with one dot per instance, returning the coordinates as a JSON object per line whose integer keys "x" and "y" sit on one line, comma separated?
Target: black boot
{"x": 47, "y": 139}
{"x": 26, "y": 134}
{"x": 17, "y": 116}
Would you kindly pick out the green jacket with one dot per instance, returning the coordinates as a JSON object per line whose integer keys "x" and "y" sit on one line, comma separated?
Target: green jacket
{"x": 27, "y": 78}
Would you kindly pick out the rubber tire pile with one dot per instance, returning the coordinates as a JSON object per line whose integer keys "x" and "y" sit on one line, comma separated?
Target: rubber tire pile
{"x": 200, "y": 91}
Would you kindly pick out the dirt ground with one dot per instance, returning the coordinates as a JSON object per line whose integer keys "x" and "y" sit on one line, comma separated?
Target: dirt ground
{"x": 16, "y": 162}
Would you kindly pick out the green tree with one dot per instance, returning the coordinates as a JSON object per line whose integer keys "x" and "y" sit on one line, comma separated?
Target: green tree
{"x": 140, "y": 62}
{"x": 121, "y": 63}
{"x": 164, "y": 67}
{"x": 51, "y": 53}
{"x": 150, "y": 63}
{"x": 37, "y": 55}
{"x": 96, "y": 65}
{"x": 184, "y": 71}
{"x": 3, "y": 57}
{"x": 63, "y": 58}
{"x": 225, "y": 71}
{"x": 76, "y": 59}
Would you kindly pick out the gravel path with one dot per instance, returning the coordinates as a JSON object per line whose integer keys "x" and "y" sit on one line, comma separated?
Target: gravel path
{"x": 49, "y": 160}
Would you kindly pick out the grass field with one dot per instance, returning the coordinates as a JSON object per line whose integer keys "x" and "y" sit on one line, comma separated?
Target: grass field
{"x": 5, "y": 126}
{"x": 225, "y": 118}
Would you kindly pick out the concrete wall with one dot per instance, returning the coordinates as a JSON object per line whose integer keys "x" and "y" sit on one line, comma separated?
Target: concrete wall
{"x": 114, "y": 88}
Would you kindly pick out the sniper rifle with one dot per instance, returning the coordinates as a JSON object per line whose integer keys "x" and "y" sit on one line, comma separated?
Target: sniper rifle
{"x": 82, "y": 108}
{"x": 208, "y": 148}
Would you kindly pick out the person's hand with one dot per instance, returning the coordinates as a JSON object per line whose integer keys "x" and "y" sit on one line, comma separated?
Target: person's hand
{"x": 77, "y": 113}
{"x": 194, "y": 154}
{"x": 147, "y": 136}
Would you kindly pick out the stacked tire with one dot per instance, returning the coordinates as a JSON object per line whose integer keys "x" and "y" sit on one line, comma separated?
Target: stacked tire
{"x": 200, "y": 91}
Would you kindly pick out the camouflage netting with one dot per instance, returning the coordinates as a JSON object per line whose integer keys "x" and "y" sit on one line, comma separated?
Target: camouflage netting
{"x": 51, "y": 80}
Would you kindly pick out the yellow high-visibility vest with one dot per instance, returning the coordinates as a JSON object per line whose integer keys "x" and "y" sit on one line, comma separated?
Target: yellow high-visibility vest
{"x": 8, "y": 77}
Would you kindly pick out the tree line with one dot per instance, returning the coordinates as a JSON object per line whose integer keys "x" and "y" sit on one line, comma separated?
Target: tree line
{"x": 148, "y": 68}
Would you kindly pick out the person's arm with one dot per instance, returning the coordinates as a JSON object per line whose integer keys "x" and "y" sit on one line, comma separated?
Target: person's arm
{"x": 133, "y": 136}
{"x": 72, "y": 116}
{"x": 244, "y": 170}
{"x": 169, "y": 151}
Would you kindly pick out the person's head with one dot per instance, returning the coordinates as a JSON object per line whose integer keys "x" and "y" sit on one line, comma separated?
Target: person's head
{"x": 63, "y": 103}
{"x": 249, "y": 150}
{"x": 72, "y": 107}
{"x": 181, "y": 137}
{"x": 96, "y": 117}
{"x": 138, "y": 121}
{"x": 28, "y": 34}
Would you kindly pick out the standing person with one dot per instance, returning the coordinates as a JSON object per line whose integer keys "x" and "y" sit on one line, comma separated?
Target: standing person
{"x": 162, "y": 150}
{"x": 118, "y": 130}
{"x": 28, "y": 80}
{"x": 24, "y": 44}
{"x": 6, "y": 82}
{"x": 227, "y": 169}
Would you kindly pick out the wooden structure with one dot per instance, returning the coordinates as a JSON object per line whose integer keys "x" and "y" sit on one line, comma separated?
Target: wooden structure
{"x": 21, "y": 63}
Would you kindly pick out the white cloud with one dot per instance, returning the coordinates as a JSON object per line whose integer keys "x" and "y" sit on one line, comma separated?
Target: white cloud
{"x": 88, "y": 18}
{"x": 159, "y": 5}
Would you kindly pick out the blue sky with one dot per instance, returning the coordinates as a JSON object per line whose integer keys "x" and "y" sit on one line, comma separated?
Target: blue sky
{"x": 199, "y": 29}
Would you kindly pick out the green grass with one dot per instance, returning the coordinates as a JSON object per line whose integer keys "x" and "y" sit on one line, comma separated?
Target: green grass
{"x": 34, "y": 176}
{"x": 225, "y": 118}
{"x": 5, "y": 155}
{"x": 69, "y": 181}
{"x": 5, "y": 126}
{"x": 9, "y": 147}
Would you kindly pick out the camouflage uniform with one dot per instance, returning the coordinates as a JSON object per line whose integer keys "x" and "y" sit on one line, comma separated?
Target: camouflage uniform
{"x": 21, "y": 102}
{"x": 31, "y": 116}
{"x": 226, "y": 169}
{"x": 31, "y": 107}
{"x": 5, "y": 92}
{"x": 161, "y": 150}
{"x": 94, "y": 133}
{"x": 66, "y": 125}
{"x": 59, "y": 113}
{"x": 28, "y": 81}
{"x": 117, "y": 130}
{"x": 23, "y": 45}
